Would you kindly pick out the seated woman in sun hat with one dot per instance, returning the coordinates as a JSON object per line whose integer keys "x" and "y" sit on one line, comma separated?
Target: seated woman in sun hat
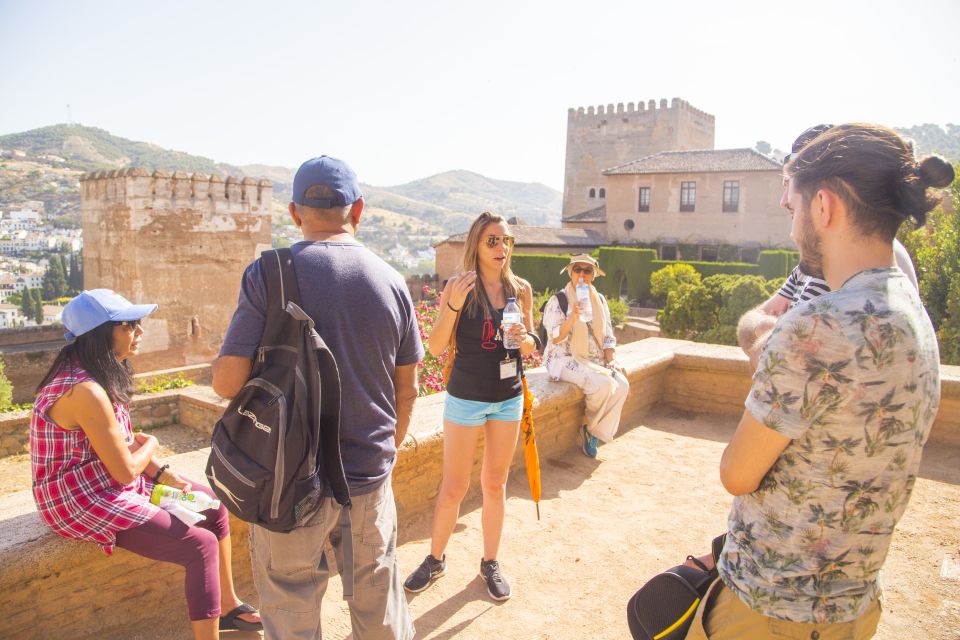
{"x": 584, "y": 353}
{"x": 92, "y": 476}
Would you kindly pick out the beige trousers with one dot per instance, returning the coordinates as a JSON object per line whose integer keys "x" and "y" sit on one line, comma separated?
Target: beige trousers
{"x": 728, "y": 617}
{"x": 604, "y": 391}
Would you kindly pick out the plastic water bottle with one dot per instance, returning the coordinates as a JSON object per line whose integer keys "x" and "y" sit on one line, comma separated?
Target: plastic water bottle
{"x": 583, "y": 299}
{"x": 192, "y": 500}
{"x": 511, "y": 316}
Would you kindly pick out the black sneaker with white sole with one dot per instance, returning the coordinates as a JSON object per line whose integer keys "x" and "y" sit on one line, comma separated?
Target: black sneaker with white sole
{"x": 428, "y": 571}
{"x": 497, "y": 585}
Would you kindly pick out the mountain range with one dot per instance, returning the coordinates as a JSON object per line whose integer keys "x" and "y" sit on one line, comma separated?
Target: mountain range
{"x": 446, "y": 201}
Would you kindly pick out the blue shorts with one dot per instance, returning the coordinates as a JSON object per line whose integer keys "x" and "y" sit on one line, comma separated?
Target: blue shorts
{"x": 473, "y": 413}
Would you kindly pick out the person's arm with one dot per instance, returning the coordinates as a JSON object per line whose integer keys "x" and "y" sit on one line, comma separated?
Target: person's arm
{"x": 405, "y": 383}
{"x": 573, "y": 314}
{"x": 88, "y": 406}
{"x": 451, "y": 303}
{"x": 528, "y": 344}
{"x": 230, "y": 373}
{"x": 754, "y": 327}
{"x": 752, "y": 452}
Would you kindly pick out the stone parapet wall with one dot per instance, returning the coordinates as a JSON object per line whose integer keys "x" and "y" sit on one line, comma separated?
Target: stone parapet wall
{"x": 52, "y": 587}
{"x": 30, "y": 335}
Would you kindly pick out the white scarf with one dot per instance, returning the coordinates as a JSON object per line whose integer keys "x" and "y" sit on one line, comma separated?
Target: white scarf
{"x": 579, "y": 345}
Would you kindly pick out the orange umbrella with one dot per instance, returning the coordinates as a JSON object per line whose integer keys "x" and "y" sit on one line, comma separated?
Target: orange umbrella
{"x": 530, "y": 455}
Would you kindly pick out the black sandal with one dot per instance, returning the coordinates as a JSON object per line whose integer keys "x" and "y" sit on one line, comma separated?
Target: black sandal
{"x": 232, "y": 621}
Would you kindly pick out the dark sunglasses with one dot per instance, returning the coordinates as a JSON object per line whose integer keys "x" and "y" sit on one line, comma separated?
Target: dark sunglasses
{"x": 584, "y": 270}
{"x": 493, "y": 241}
{"x": 130, "y": 324}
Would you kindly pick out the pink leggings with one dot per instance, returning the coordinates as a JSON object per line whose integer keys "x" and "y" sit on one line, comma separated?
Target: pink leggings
{"x": 164, "y": 537}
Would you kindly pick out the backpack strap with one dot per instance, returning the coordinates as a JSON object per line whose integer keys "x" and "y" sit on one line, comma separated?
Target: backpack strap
{"x": 562, "y": 300}
{"x": 280, "y": 277}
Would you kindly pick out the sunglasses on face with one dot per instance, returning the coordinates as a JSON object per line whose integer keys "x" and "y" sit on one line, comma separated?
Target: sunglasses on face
{"x": 584, "y": 270}
{"x": 493, "y": 241}
{"x": 130, "y": 324}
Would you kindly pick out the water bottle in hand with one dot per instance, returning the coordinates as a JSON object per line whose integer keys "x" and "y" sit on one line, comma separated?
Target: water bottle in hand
{"x": 191, "y": 500}
{"x": 511, "y": 316}
{"x": 583, "y": 299}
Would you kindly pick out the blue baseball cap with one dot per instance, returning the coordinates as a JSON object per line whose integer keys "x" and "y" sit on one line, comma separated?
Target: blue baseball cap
{"x": 92, "y": 308}
{"x": 328, "y": 172}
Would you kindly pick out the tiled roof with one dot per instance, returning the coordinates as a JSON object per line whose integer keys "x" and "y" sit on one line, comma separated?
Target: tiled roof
{"x": 698, "y": 161}
{"x": 597, "y": 214}
{"x": 528, "y": 236}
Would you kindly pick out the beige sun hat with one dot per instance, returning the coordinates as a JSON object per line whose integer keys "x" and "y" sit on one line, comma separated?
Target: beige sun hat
{"x": 584, "y": 258}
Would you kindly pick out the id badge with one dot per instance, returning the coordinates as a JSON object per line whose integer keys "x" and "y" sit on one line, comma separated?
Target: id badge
{"x": 508, "y": 368}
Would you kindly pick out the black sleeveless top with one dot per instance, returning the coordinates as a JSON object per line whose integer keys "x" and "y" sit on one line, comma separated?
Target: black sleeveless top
{"x": 476, "y": 371}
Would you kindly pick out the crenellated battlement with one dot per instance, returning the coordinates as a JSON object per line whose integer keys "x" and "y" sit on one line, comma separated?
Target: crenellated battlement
{"x": 197, "y": 190}
{"x": 604, "y": 111}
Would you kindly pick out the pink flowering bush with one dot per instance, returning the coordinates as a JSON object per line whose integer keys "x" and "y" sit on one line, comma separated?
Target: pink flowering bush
{"x": 430, "y": 373}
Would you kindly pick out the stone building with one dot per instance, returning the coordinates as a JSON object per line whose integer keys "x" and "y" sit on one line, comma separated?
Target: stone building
{"x": 706, "y": 198}
{"x": 179, "y": 240}
{"x": 603, "y": 137}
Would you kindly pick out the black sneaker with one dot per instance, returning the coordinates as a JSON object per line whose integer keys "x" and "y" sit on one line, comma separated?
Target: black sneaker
{"x": 428, "y": 571}
{"x": 497, "y": 585}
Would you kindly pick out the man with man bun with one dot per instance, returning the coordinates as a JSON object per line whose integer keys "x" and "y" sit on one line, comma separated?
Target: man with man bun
{"x": 825, "y": 457}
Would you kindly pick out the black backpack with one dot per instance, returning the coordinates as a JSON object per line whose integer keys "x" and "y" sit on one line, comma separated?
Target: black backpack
{"x": 542, "y": 336}
{"x": 277, "y": 446}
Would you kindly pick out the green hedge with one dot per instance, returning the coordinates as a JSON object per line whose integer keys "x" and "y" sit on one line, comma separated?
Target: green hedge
{"x": 542, "y": 271}
{"x": 777, "y": 263}
{"x": 632, "y": 264}
{"x": 707, "y": 269}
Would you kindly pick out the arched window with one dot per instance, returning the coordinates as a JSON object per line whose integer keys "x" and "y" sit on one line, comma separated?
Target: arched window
{"x": 603, "y": 193}
{"x": 592, "y": 194}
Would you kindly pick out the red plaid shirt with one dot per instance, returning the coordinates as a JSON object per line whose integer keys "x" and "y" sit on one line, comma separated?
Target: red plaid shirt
{"x": 74, "y": 492}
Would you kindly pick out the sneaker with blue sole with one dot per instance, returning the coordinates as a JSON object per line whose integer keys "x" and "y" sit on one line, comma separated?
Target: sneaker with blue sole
{"x": 590, "y": 442}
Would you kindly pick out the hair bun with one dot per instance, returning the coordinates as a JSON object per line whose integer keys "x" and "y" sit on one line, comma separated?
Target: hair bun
{"x": 936, "y": 172}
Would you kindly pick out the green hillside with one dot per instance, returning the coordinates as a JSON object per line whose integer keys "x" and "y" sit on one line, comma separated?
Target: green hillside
{"x": 932, "y": 138}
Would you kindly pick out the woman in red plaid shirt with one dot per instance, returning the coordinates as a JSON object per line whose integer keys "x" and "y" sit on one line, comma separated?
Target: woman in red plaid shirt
{"x": 92, "y": 476}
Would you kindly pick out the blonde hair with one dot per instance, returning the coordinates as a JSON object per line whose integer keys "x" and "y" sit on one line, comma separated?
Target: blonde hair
{"x": 512, "y": 285}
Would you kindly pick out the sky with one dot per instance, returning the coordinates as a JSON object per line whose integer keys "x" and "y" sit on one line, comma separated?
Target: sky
{"x": 405, "y": 90}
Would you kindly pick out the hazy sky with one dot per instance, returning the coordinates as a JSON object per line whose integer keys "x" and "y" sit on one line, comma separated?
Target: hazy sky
{"x": 403, "y": 90}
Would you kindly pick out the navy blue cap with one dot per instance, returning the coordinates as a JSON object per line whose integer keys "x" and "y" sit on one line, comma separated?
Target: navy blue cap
{"x": 328, "y": 172}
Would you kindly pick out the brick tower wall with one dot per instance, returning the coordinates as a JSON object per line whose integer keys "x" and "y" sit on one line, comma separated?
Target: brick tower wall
{"x": 178, "y": 240}
{"x": 602, "y": 137}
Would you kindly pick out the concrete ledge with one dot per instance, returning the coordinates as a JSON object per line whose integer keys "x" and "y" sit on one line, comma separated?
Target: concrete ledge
{"x": 51, "y": 586}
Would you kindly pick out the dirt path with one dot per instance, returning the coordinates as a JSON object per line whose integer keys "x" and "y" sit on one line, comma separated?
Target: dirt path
{"x": 652, "y": 497}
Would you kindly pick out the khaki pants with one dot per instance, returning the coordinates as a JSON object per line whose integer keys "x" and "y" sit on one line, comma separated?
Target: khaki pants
{"x": 291, "y": 573}
{"x": 604, "y": 393}
{"x": 727, "y": 617}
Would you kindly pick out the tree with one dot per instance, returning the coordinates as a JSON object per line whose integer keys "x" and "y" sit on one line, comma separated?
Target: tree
{"x": 764, "y": 147}
{"x": 935, "y": 249}
{"x": 75, "y": 279}
{"x": 26, "y": 303}
{"x": 54, "y": 280}
{"x": 663, "y": 281}
{"x": 38, "y": 309}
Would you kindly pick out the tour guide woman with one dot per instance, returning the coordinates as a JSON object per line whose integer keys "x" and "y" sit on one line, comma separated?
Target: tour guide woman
{"x": 484, "y": 393}
{"x": 583, "y": 353}
{"x": 92, "y": 476}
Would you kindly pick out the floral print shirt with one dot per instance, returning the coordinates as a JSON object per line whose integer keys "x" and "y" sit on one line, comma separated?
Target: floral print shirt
{"x": 853, "y": 378}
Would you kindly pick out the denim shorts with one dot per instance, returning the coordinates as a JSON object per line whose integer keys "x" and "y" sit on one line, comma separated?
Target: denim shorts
{"x": 473, "y": 413}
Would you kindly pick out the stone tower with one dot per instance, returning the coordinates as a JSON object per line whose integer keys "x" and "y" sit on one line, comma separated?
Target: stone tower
{"x": 181, "y": 241}
{"x": 603, "y": 137}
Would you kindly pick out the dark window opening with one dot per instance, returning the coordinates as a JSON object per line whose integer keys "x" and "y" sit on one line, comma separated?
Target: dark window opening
{"x": 709, "y": 254}
{"x": 668, "y": 253}
{"x": 593, "y": 193}
{"x": 603, "y": 193}
{"x": 644, "y": 202}
{"x": 688, "y": 196}
{"x": 731, "y": 196}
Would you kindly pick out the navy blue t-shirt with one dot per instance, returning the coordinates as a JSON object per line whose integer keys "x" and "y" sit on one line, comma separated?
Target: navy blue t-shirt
{"x": 364, "y": 313}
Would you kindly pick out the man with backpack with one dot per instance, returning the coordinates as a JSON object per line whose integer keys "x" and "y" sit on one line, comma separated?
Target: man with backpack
{"x": 363, "y": 312}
